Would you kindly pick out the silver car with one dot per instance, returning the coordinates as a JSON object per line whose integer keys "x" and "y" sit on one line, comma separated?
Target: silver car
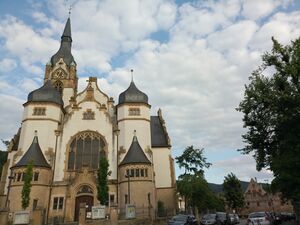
{"x": 208, "y": 219}
{"x": 259, "y": 218}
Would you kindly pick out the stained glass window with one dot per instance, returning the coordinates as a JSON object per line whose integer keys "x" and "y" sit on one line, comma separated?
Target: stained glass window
{"x": 85, "y": 150}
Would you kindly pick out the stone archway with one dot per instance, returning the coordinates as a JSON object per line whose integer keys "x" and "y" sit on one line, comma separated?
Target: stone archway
{"x": 84, "y": 195}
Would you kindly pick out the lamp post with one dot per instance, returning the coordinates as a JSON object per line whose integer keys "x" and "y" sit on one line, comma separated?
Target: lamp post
{"x": 128, "y": 177}
{"x": 11, "y": 177}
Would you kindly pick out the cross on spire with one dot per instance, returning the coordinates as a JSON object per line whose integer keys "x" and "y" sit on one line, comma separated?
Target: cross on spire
{"x": 131, "y": 75}
{"x": 70, "y": 8}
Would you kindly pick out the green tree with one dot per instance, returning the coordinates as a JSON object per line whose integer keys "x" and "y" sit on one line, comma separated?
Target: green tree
{"x": 102, "y": 186}
{"x": 192, "y": 184}
{"x": 271, "y": 108}
{"x": 27, "y": 186}
{"x": 233, "y": 192}
{"x": 192, "y": 160}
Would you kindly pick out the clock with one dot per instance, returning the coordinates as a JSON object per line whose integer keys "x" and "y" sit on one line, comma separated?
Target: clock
{"x": 59, "y": 74}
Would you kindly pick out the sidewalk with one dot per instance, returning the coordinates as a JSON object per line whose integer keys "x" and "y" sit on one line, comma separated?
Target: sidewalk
{"x": 294, "y": 222}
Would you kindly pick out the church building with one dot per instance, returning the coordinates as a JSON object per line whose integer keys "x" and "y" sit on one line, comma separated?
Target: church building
{"x": 64, "y": 133}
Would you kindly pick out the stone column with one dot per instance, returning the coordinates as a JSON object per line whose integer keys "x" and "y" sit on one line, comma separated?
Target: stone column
{"x": 82, "y": 214}
{"x": 113, "y": 215}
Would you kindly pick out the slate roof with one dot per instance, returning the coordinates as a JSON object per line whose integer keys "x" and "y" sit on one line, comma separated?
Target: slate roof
{"x": 135, "y": 154}
{"x": 159, "y": 138}
{"x": 133, "y": 95}
{"x": 46, "y": 93}
{"x": 35, "y": 155}
{"x": 65, "y": 47}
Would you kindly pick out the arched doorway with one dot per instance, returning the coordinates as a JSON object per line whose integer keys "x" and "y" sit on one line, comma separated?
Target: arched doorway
{"x": 84, "y": 195}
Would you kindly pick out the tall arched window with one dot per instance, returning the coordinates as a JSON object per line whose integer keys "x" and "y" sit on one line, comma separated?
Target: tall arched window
{"x": 85, "y": 150}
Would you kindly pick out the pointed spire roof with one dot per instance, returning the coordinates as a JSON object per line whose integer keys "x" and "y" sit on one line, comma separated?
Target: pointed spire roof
{"x": 35, "y": 155}
{"x": 46, "y": 93}
{"x": 135, "y": 154}
{"x": 65, "y": 47}
{"x": 133, "y": 95}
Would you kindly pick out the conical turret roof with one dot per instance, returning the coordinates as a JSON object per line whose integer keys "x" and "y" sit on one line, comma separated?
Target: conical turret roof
{"x": 133, "y": 95}
{"x": 135, "y": 154}
{"x": 65, "y": 47}
{"x": 46, "y": 93}
{"x": 33, "y": 155}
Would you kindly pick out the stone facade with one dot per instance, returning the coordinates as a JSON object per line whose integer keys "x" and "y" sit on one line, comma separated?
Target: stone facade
{"x": 71, "y": 131}
{"x": 257, "y": 199}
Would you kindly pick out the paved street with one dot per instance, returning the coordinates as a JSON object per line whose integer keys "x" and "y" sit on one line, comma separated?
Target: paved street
{"x": 244, "y": 221}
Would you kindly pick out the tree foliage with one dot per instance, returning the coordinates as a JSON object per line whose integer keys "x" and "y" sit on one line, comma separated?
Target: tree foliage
{"x": 192, "y": 184}
{"x": 233, "y": 192}
{"x": 27, "y": 186}
{"x": 102, "y": 186}
{"x": 271, "y": 108}
{"x": 192, "y": 160}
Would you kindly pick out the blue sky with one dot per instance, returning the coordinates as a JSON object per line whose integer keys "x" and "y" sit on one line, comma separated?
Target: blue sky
{"x": 192, "y": 58}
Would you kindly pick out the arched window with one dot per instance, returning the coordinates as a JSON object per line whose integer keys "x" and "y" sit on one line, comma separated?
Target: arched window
{"x": 59, "y": 86}
{"x": 85, "y": 150}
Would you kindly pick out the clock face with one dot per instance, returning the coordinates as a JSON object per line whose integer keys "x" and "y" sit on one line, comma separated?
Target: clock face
{"x": 59, "y": 74}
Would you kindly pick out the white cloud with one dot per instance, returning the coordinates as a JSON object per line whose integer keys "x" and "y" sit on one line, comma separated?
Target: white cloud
{"x": 197, "y": 76}
{"x": 11, "y": 113}
{"x": 256, "y": 9}
{"x": 7, "y": 65}
{"x": 244, "y": 168}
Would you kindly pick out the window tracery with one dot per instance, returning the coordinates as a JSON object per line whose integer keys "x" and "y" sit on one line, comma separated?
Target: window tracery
{"x": 85, "y": 150}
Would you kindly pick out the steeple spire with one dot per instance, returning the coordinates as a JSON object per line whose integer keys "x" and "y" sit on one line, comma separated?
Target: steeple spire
{"x": 65, "y": 47}
{"x": 66, "y": 36}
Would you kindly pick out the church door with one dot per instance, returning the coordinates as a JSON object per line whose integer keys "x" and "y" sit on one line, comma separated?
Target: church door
{"x": 89, "y": 202}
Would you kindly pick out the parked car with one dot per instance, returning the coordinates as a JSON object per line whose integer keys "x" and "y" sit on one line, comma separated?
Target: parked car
{"x": 221, "y": 218}
{"x": 259, "y": 218}
{"x": 232, "y": 219}
{"x": 236, "y": 219}
{"x": 182, "y": 219}
{"x": 208, "y": 219}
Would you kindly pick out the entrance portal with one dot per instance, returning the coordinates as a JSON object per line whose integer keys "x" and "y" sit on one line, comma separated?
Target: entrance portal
{"x": 89, "y": 202}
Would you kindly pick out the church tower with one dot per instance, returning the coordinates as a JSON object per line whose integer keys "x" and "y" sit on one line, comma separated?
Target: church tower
{"x": 61, "y": 69}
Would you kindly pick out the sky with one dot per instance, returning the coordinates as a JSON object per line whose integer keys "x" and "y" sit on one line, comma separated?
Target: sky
{"x": 192, "y": 59}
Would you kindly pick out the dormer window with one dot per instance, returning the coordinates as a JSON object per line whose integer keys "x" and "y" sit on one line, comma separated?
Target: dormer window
{"x": 39, "y": 111}
{"x": 134, "y": 112}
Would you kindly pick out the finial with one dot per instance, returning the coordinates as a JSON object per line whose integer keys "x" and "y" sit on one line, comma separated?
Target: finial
{"x": 35, "y": 133}
{"x": 131, "y": 75}
{"x": 134, "y": 133}
{"x": 70, "y": 8}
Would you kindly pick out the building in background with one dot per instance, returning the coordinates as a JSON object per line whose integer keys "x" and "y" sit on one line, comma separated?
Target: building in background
{"x": 257, "y": 199}
{"x": 64, "y": 134}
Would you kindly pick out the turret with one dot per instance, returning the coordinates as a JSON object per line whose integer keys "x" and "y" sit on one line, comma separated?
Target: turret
{"x": 43, "y": 112}
{"x": 41, "y": 178}
{"x": 133, "y": 113}
{"x": 136, "y": 171}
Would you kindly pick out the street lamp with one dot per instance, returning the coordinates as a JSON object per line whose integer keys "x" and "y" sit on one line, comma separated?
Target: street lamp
{"x": 11, "y": 177}
{"x": 128, "y": 177}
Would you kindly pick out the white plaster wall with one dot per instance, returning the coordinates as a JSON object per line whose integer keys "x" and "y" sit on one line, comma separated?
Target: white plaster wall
{"x": 123, "y": 111}
{"x": 52, "y": 111}
{"x": 67, "y": 94}
{"x": 76, "y": 124}
{"x": 44, "y": 125}
{"x": 127, "y": 128}
{"x": 127, "y": 124}
{"x": 162, "y": 167}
